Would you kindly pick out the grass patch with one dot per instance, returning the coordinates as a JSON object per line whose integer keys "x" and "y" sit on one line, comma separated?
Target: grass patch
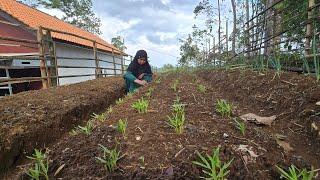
{"x": 224, "y": 108}
{"x": 87, "y": 129}
{"x": 212, "y": 166}
{"x": 141, "y": 105}
{"x": 109, "y": 158}
{"x": 201, "y": 88}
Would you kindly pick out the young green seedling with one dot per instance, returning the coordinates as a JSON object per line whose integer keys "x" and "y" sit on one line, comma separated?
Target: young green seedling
{"x": 158, "y": 81}
{"x": 109, "y": 110}
{"x": 174, "y": 86}
{"x": 141, "y": 105}
{"x": 41, "y": 166}
{"x": 87, "y": 129}
{"x": 224, "y": 108}
{"x": 109, "y": 158}
{"x": 213, "y": 167}
{"x": 295, "y": 174}
{"x": 150, "y": 90}
{"x": 100, "y": 117}
{"x": 141, "y": 158}
{"x": 202, "y": 88}
{"x": 119, "y": 101}
{"x": 177, "y": 119}
{"x": 241, "y": 126}
{"x": 121, "y": 126}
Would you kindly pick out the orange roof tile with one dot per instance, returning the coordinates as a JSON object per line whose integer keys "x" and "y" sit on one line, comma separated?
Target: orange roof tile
{"x": 35, "y": 18}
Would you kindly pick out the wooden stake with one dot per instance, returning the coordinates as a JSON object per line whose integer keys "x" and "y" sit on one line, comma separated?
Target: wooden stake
{"x": 114, "y": 62}
{"x": 95, "y": 56}
{"x": 45, "y": 84}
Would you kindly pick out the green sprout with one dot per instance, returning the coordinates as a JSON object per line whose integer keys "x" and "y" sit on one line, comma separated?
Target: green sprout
{"x": 224, "y": 108}
{"x": 177, "y": 119}
{"x": 109, "y": 158}
{"x": 158, "y": 81}
{"x": 41, "y": 165}
{"x": 202, "y": 88}
{"x": 141, "y": 158}
{"x": 87, "y": 129}
{"x": 141, "y": 105}
{"x": 174, "y": 86}
{"x": 241, "y": 126}
{"x": 213, "y": 167}
{"x": 109, "y": 110}
{"x": 100, "y": 117}
{"x": 150, "y": 90}
{"x": 121, "y": 126}
{"x": 119, "y": 101}
{"x": 295, "y": 174}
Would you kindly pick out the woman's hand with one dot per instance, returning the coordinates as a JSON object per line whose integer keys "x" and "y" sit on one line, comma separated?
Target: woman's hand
{"x": 141, "y": 76}
{"x": 141, "y": 82}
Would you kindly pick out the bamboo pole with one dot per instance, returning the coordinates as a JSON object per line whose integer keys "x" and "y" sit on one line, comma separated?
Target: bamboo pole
{"x": 44, "y": 79}
{"x": 95, "y": 56}
{"x": 309, "y": 29}
{"x": 114, "y": 63}
{"x": 53, "y": 59}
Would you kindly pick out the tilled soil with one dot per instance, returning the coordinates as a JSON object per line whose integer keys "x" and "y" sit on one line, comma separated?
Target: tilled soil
{"x": 168, "y": 155}
{"x": 35, "y": 119}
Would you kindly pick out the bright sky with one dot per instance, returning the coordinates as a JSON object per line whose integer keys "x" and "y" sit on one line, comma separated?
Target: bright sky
{"x": 153, "y": 25}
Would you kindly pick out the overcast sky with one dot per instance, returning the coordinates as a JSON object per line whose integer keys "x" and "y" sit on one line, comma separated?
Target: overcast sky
{"x": 153, "y": 25}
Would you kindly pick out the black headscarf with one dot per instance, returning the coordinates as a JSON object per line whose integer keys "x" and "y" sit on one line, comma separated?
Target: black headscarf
{"x": 135, "y": 68}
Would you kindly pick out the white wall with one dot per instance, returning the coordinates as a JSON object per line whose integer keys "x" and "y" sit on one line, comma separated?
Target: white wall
{"x": 71, "y": 51}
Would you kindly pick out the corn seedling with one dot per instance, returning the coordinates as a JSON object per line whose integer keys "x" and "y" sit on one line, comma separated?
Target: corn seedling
{"x": 86, "y": 129}
{"x": 141, "y": 105}
{"x": 178, "y": 117}
{"x": 158, "y": 81}
{"x": 276, "y": 64}
{"x": 141, "y": 158}
{"x": 241, "y": 126}
{"x": 202, "y": 88}
{"x": 174, "y": 86}
{"x": 295, "y": 174}
{"x": 41, "y": 165}
{"x": 213, "y": 167}
{"x": 150, "y": 90}
{"x": 100, "y": 117}
{"x": 122, "y": 126}
{"x": 109, "y": 158}
{"x": 224, "y": 108}
{"x": 119, "y": 101}
{"x": 129, "y": 95}
{"x": 109, "y": 110}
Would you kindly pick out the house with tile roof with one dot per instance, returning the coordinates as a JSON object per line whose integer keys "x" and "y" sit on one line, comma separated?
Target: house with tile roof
{"x": 74, "y": 48}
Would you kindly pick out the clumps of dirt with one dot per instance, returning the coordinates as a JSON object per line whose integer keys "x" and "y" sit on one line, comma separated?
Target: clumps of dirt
{"x": 151, "y": 149}
{"x": 35, "y": 119}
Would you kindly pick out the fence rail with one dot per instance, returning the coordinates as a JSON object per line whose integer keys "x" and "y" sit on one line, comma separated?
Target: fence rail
{"x": 107, "y": 61}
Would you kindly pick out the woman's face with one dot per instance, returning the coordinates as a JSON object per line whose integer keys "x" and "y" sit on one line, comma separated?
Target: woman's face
{"x": 142, "y": 61}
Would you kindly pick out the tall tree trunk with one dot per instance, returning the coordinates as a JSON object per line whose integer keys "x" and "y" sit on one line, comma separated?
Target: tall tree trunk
{"x": 219, "y": 29}
{"x": 234, "y": 26}
{"x": 247, "y": 27}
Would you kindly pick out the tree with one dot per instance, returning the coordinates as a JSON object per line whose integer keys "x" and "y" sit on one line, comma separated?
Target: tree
{"x": 189, "y": 52}
{"x": 118, "y": 42}
{"x": 76, "y": 12}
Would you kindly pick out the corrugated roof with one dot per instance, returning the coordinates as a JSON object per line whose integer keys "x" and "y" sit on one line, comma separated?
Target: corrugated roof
{"x": 35, "y": 18}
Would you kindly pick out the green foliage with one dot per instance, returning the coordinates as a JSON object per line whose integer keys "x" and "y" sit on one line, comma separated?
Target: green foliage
{"x": 316, "y": 60}
{"x": 212, "y": 165}
{"x": 224, "y": 108}
{"x": 241, "y": 126}
{"x": 122, "y": 126}
{"x": 109, "y": 158}
{"x": 118, "y": 42}
{"x": 119, "y": 101}
{"x": 77, "y": 12}
{"x": 141, "y": 105}
{"x": 295, "y": 174}
{"x": 177, "y": 119}
{"x": 41, "y": 165}
{"x": 109, "y": 110}
{"x": 158, "y": 81}
{"x": 276, "y": 64}
{"x": 150, "y": 90}
{"x": 174, "y": 86}
{"x": 100, "y": 117}
{"x": 87, "y": 129}
{"x": 188, "y": 51}
{"x": 202, "y": 88}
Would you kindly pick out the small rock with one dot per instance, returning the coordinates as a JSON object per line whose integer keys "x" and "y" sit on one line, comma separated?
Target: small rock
{"x": 318, "y": 103}
{"x": 225, "y": 135}
{"x": 169, "y": 171}
{"x": 138, "y": 138}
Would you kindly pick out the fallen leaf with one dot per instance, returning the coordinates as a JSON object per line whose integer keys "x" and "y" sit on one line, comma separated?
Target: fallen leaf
{"x": 258, "y": 119}
{"x": 285, "y": 145}
{"x": 246, "y": 148}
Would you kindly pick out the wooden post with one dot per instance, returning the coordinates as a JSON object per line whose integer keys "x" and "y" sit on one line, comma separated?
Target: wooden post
{"x": 219, "y": 29}
{"x": 53, "y": 59}
{"x": 56, "y": 64}
{"x": 95, "y": 56}
{"x": 114, "y": 62}
{"x": 309, "y": 29}
{"x": 9, "y": 84}
{"x": 45, "y": 84}
{"x": 122, "y": 65}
